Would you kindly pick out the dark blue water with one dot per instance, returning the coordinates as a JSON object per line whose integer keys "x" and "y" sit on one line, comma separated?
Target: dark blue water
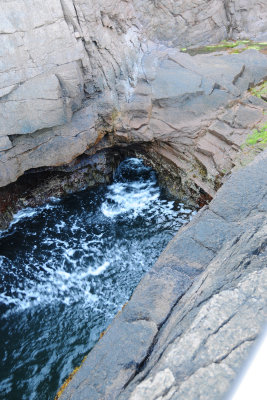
{"x": 67, "y": 268}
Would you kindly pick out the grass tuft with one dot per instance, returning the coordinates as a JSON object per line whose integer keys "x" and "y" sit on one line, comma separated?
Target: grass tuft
{"x": 233, "y": 47}
{"x": 260, "y": 91}
{"x": 258, "y": 136}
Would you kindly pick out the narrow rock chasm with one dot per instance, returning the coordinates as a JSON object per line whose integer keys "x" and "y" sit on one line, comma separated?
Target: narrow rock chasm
{"x": 84, "y": 86}
{"x": 74, "y": 262}
{"x": 37, "y": 186}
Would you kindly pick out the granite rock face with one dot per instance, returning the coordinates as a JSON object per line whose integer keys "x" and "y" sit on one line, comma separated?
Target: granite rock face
{"x": 181, "y": 23}
{"x": 55, "y": 55}
{"x": 73, "y": 72}
{"x": 194, "y": 111}
{"x": 193, "y": 319}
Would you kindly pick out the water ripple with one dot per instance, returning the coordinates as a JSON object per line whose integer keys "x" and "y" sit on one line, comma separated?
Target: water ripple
{"x": 68, "y": 267}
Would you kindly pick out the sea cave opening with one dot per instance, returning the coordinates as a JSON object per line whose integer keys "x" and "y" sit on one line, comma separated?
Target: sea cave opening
{"x": 69, "y": 264}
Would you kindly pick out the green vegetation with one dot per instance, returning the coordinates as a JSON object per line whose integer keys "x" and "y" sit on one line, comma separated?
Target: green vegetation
{"x": 233, "y": 46}
{"x": 258, "y": 137}
{"x": 254, "y": 144}
{"x": 260, "y": 91}
{"x": 226, "y": 44}
{"x": 252, "y": 46}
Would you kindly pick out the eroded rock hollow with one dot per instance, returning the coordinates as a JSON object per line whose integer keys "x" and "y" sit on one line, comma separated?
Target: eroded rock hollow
{"x": 84, "y": 84}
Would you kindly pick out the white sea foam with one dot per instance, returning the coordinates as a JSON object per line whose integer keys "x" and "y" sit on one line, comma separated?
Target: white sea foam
{"x": 55, "y": 286}
{"x": 29, "y": 212}
{"x": 66, "y": 272}
{"x": 23, "y": 214}
{"x": 61, "y": 225}
{"x": 66, "y": 277}
{"x": 100, "y": 269}
{"x": 132, "y": 198}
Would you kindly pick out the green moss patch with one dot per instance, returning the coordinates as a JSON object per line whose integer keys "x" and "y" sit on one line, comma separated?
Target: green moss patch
{"x": 255, "y": 143}
{"x": 260, "y": 91}
{"x": 234, "y": 47}
{"x": 258, "y": 137}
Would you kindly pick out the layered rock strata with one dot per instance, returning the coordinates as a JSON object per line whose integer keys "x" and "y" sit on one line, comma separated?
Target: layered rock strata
{"x": 192, "y": 320}
{"x": 73, "y": 72}
{"x": 193, "y": 113}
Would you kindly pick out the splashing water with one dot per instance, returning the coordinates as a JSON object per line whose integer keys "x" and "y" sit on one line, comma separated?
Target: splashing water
{"x": 67, "y": 268}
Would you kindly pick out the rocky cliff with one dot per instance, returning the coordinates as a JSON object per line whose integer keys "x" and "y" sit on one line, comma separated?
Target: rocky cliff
{"x": 73, "y": 71}
{"x": 79, "y": 77}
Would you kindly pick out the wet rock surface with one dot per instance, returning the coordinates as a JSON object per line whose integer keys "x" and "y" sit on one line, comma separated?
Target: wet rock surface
{"x": 37, "y": 187}
{"x": 192, "y": 320}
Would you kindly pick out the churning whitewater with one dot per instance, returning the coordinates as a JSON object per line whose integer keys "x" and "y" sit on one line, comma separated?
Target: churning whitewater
{"x": 68, "y": 267}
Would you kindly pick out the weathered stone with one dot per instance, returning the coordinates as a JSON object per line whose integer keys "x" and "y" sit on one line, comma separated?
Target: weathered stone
{"x": 59, "y": 57}
{"x": 79, "y": 77}
{"x": 137, "y": 332}
{"x": 5, "y": 143}
{"x": 36, "y": 104}
{"x": 159, "y": 386}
